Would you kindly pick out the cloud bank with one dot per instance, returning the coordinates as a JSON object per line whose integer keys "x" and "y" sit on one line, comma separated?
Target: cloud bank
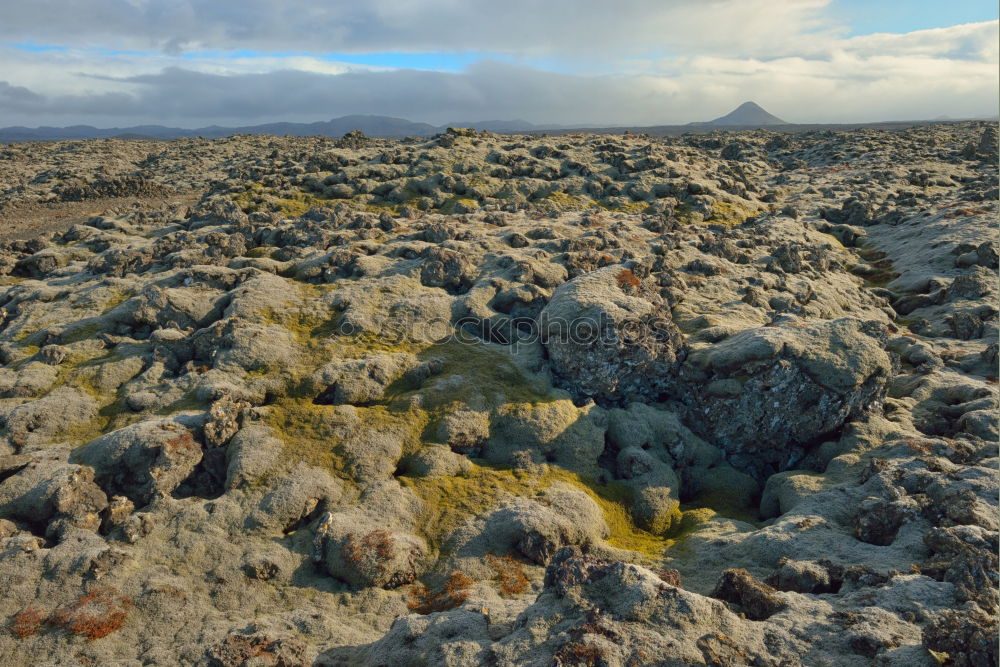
{"x": 526, "y": 27}
{"x": 191, "y": 63}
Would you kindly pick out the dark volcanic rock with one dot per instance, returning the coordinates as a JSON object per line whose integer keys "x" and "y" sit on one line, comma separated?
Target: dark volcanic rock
{"x": 610, "y": 337}
{"x": 766, "y": 393}
{"x": 758, "y": 600}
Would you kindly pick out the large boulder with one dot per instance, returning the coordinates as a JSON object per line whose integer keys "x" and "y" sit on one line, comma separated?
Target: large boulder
{"x": 609, "y": 337}
{"x": 361, "y": 552}
{"x": 536, "y": 528}
{"x": 45, "y": 492}
{"x": 447, "y": 268}
{"x": 144, "y": 460}
{"x": 30, "y": 380}
{"x": 295, "y": 498}
{"x": 758, "y": 600}
{"x": 360, "y": 381}
{"x": 555, "y": 431}
{"x": 766, "y": 394}
{"x": 47, "y": 419}
{"x": 252, "y": 453}
{"x": 655, "y": 487}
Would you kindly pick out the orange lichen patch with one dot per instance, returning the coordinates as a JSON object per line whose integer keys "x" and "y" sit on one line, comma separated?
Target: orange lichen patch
{"x": 183, "y": 443}
{"x": 27, "y": 622}
{"x": 626, "y": 279}
{"x": 376, "y": 545}
{"x": 577, "y": 653}
{"x": 918, "y": 446}
{"x": 454, "y": 592}
{"x": 966, "y": 212}
{"x": 513, "y": 580}
{"x": 669, "y": 575}
{"x": 94, "y": 615}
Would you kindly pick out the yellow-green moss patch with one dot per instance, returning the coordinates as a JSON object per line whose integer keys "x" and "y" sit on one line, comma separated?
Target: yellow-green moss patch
{"x": 450, "y": 501}
{"x": 563, "y": 201}
{"x": 726, "y": 505}
{"x": 305, "y": 430}
{"x": 728, "y": 213}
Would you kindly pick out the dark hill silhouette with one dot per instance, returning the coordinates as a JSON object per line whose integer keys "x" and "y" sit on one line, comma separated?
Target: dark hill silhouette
{"x": 748, "y": 114}
{"x": 373, "y": 126}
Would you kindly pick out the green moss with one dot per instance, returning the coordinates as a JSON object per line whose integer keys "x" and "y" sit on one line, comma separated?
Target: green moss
{"x": 118, "y": 297}
{"x": 731, "y": 505}
{"x": 315, "y": 433}
{"x": 450, "y": 501}
{"x": 728, "y": 213}
{"x": 409, "y": 423}
{"x": 489, "y": 371}
{"x": 312, "y": 433}
{"x": 691, "y": 521}
{"x": 375, "y": 206}
{"x": 563, "y": 201}
{"x": 630, "y": 207}
{"x": 258, "y": 198}
{"x": 615, "y": 499}
{"x": 22, "y": 336}
{"x": 293, "y": 208}
{"x": 111, "y": 415}
{"x": 684, "y": 213}
{"x": 82, "y": 330}
{"x": 261, "y": 251}
{"x": 308, "y": 328}
{"x": 29, "y": 352}
{"x": 81, "y": 434}
{"x": 108, "y": 408}
{"x": 186, "y": 403}
{"x": 250, "y": 200}
{"x": 304, "y": 428}
{"x": 452, "y": 203}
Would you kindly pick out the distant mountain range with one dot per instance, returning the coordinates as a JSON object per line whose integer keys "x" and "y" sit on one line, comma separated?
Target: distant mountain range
{"x": 747, "y": 115}
{"x": 373, "y": 126}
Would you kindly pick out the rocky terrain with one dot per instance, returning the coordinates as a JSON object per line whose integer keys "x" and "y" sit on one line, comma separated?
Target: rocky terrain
{"x": 473, "y": 399}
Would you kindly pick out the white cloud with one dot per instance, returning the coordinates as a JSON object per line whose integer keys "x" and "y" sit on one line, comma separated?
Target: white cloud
{"x": 970, "y": 40}
{"x": 682, "y": 61}
{"x": 519, "y": 27}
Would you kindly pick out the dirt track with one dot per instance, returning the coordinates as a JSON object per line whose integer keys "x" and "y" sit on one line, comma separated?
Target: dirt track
{"x": 29, "y": 221}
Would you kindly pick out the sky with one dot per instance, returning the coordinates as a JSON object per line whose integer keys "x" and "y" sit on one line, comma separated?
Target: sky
{"x": 191, "y": 63}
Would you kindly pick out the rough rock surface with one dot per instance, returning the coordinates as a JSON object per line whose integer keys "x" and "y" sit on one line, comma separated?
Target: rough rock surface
{"x": 768, "y": 393}
{"x": 609, "y": 339}
{"x": 293, "y": 401}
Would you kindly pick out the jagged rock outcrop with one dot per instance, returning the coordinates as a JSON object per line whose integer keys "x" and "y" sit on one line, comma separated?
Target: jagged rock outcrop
{"x": 610, "y": 338}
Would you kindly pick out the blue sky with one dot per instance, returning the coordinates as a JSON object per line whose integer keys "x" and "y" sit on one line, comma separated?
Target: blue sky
{"x": 445, "y": 61}
{"x": 864, "y": 17}
{"x": 191, "y": 62}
